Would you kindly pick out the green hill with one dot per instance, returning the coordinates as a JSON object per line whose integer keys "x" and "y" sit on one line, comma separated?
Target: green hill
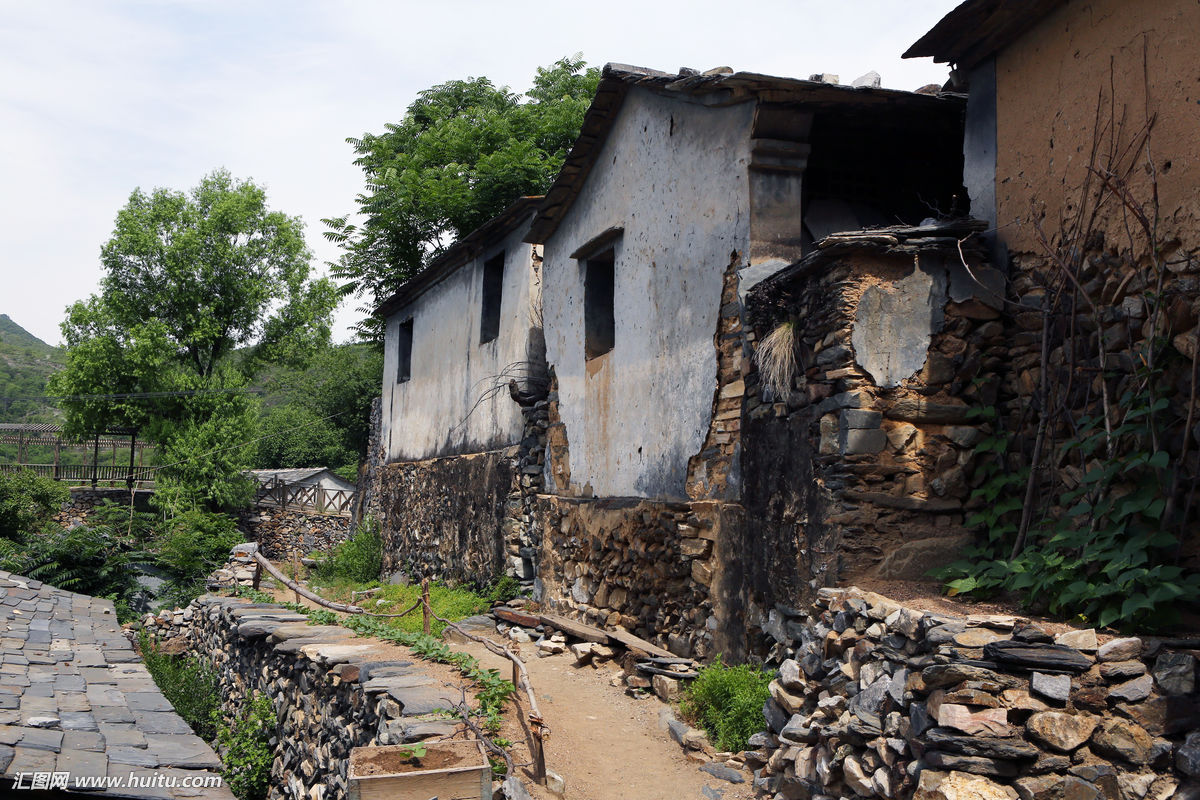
{"x": 25, "y": 364}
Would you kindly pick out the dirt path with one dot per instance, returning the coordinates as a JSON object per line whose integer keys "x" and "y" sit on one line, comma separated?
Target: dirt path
{"x": 606, "y": 744}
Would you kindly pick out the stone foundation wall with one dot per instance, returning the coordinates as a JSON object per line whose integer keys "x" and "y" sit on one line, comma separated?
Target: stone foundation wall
{"x": 873, "y": 699}
{"x": 653, "y": 568}
{"x": 282, "y": 534}
{"x": 447, "y": 518}
{"x": 78, "y": 510}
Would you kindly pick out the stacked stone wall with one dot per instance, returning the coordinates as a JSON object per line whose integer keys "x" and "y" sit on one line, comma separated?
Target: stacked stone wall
{"x": 653, "y": 568}
{"x": 284, "y": 534}
{"x": 874, "y": 699}
{"x": 863, "y": 470}
{"x": 328, "y": 693}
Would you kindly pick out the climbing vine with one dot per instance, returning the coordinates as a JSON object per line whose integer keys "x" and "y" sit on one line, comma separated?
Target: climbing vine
{"x": 1088, "y": 517}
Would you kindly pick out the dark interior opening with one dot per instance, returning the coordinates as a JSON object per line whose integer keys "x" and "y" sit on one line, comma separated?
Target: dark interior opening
{"x": 493, "y": 290}
{"x": 883, "y": 166}
{"x": 404, "y": 340}
{"x": 598, "y": 297}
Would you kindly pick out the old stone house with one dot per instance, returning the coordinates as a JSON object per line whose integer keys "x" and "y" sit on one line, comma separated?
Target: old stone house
{"x": 621, "y": 481}
{"x": 456, "y": 336}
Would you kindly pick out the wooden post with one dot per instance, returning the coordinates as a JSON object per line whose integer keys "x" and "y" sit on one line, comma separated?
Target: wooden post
{"x": 296, "y": 574}
{"x": 425, "y": 604}
{"x": 539, "y": 757}
{"x": 20, "y": 445}
{"x": 57, "y": 450}
{"x": 132, "y": 445}
{"x": 95, "y": 459}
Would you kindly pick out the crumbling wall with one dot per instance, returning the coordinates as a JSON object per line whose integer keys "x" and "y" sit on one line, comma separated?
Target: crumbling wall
{"x": 653, "y": 568}
{"x": 863, "y": 470}
{"x": 874, "y": 699}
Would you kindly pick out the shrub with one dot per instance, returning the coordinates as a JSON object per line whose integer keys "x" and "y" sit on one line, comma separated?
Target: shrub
{"x": 27, "y": 501}
{"x": 89, "y": 559}
{"x": 359, "y": 558}
{"x": 246, "y": 748}
{"x": 728, "y": 703}
{"x": 191, "y": 546}
{"x": 503, "y": 589}
{"x": 187, "y": 683}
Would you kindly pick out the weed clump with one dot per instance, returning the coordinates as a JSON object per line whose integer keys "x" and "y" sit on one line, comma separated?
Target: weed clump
{"x": 728, "y": 703}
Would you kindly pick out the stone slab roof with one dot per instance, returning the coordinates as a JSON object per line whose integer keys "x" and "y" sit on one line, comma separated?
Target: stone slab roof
{"x": 75, "y": 698}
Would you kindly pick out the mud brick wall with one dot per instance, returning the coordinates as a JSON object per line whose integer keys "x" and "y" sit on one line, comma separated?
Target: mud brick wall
{"x": 873, "y": 699}
{"x": 653, "y": 568}
{"x": 864, "y": 469}
{"x": 282, "y": 534}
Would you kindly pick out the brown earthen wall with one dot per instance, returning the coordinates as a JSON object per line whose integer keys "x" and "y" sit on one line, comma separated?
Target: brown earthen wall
{"x": 1123, "y": 61}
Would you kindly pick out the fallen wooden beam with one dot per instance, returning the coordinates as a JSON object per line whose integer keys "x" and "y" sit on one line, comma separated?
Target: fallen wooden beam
{"x": 579, "y": 630}
{"x": 637, "y": 644}
{"x": 516, "y": 617}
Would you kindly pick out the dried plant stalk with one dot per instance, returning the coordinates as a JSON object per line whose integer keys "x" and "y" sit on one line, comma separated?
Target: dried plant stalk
{"x": 776, "y": 358}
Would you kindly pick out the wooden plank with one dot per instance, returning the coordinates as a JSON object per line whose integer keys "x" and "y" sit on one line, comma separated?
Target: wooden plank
{"x": 570, "y": 627}
{"x": 631, "y": 642}
{"x": 516, "y": 617}
{"x": 653, "y": 670}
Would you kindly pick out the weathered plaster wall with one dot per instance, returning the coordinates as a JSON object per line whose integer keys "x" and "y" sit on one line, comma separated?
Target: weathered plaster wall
{"x": 1074, "y": 55}
{"x": 674, "y": 176}
{"x": 451, "y": 403}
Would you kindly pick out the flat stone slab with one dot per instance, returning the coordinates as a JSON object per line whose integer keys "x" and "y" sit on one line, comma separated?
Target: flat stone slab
{"x": 76, "y": 698}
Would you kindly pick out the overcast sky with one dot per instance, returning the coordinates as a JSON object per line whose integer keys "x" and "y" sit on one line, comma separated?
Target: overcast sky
{"x": 97, "y": 97}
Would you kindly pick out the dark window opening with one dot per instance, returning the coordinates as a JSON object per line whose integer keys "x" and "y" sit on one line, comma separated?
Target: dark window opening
{"x": 598, "y": 298}
{"x": 404, "y": 339}
{"x": 493, "y": 290}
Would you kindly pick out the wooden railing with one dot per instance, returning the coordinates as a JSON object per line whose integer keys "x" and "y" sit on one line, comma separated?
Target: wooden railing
{"x": 305, "y": 498}
{"x": 112, "y": 475}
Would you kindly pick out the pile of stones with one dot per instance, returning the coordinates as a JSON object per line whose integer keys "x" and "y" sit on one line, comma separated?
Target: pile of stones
{"x": 872, "y": 699}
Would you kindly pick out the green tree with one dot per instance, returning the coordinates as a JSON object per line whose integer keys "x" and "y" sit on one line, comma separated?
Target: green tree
{"x": 190, "y": 277}
{"x": 464, "y": 151}
{"x": 294, "y": 436}
{"x": 27, "y": 502}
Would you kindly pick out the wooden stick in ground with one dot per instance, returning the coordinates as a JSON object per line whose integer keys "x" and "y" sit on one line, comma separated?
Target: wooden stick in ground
{"x": 537, "y": 723}
{"x": 426, "y": 609}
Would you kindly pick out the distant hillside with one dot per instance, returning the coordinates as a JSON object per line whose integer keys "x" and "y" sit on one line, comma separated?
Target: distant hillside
{"x": 25, "y": 364}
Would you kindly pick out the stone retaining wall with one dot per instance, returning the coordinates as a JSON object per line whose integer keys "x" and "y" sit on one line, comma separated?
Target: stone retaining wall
{"x": 282, "y": 533}
{"x": 873, "y": 699}
{"x": 329, "y": 692}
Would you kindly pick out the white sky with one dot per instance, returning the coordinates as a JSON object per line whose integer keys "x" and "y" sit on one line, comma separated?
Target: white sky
{"x": 99, "y": 97}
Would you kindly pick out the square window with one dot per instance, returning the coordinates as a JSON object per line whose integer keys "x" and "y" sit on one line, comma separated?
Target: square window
{"x": 493, "y": 291}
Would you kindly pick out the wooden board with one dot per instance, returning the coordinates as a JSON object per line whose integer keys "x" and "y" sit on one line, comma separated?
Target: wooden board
{"x": 637, "y": 644}
{"x": 579, "y": 630}
{"x": 517, "y": 617}
{"x": 471, "y": 781}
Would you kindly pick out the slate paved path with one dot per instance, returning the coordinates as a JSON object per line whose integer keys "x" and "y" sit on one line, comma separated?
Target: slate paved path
{"x": 75, "y": 698}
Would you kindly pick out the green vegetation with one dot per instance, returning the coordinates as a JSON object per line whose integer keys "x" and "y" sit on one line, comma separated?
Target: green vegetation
{"x": 189, "y": 685}
{"x": 25, "y": 364}
{"x": 190, "y": 277}
{"x": 27, "y": 502}
{"x": 1108, "y": 559}
{"x": 463, "y": 152}
{"x": 358, "y": 559}
{"x": 318, "y": 412}
{"x": 728, "y": 703}
{"x": 245, "y": 745}
{"x": 189, "y": 547}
